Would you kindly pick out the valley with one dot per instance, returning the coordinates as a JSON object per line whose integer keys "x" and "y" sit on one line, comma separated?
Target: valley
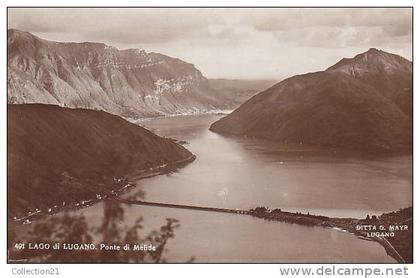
{"x": 311, "y": 157}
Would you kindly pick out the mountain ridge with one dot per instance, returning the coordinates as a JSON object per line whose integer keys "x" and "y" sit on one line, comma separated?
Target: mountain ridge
{"x": 337, "y": 108}
{"x": 61, "y": 154}
{"x": 129, "y": 82}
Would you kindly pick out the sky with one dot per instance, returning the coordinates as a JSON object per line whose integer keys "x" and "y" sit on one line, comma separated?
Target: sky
{"x": 239, "y": 43}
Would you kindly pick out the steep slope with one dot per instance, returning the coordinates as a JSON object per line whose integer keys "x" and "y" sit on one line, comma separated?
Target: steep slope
{"x": 60, "y": 154}
{"x": 340, "y": 108}
{"x": 390, "y": 74}
{"x": 129, "y": 83}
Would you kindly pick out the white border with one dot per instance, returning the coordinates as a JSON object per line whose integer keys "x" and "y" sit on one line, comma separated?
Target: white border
{"x": 184, "y": 270}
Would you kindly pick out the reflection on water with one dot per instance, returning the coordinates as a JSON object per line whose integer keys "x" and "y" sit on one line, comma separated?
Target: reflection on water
{"x": 240, "y": 173}
{"x": 236, "y": 238}
{"x": 245, "y": 173}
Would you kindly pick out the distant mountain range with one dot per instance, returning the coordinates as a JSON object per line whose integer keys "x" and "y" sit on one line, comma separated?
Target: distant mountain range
{"x": 362, "y": 104}
{"x": 237, "y": 91}
{"x": 58, "y": 154}
{"x": 130, "y": 83}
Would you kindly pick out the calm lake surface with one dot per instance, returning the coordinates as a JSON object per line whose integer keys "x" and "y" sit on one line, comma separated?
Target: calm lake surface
{"x": 245, "y": 173}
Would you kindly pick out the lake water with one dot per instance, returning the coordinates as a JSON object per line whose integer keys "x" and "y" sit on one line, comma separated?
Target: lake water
{"x": 245, "y": 173}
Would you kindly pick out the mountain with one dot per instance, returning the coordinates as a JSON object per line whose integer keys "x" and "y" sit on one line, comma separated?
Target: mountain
{"x": 361, "y": 104}
{"x": 388, "y": 73}
{"x": 130, "y": 83}
{"x": 237, "y": 91}
{"x": 60, "y": 154}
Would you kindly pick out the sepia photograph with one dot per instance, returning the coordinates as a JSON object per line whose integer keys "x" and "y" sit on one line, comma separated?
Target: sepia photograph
{"x": 210, "y": 135}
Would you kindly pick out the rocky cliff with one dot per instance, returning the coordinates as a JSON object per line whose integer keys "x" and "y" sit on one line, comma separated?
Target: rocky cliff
{"x": 130, "y": 83}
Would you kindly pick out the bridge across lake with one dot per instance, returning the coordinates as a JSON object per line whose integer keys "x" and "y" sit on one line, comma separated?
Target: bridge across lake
{"x": 297, "y": 218}
{"x": 167, "y": 205}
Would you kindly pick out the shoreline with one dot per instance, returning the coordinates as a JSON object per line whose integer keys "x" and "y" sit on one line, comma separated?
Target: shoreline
{"x": 201, "y": 113}
{"x": 346, "y": 225}
{"x": 126, "y": 183}
{"x": 123, "y": 185}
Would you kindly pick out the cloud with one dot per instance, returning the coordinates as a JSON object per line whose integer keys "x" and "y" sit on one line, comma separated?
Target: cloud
{"x": 233, "y": 43}
{"x": 397, "y": 20}
{"x": 141, "y": 25}
{"x": 338, "y": 27}
{"x": 340, "y": 36}
{"x": 125, "y": 25}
